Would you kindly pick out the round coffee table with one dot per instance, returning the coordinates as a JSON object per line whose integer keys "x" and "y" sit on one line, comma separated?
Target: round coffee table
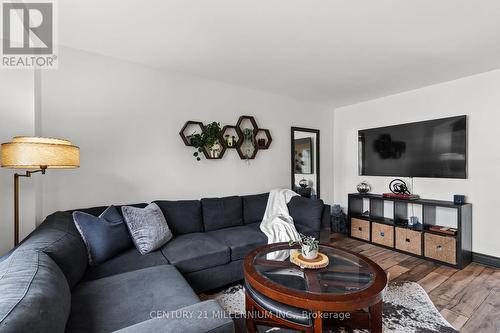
{"x": 279, "y": 293}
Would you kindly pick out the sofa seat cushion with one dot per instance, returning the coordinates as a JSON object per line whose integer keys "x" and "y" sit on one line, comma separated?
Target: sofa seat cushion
{"x": 241, "y": 240}
{"x": 255, "y": 226}
{"x": 34, "y": 294}
{"x": 195, "y": 251}
{"x": 122, "y": 300}
{"x": 130, "y": 260}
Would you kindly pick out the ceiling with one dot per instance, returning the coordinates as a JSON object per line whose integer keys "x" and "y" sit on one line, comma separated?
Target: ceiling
{"x": 327, "y": 51}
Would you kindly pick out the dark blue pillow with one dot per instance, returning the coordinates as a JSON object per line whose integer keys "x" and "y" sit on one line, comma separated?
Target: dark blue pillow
{"x": 104, "y": 236}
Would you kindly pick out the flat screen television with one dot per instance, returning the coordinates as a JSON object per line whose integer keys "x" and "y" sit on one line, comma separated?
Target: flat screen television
{"x": 434, "y": 148}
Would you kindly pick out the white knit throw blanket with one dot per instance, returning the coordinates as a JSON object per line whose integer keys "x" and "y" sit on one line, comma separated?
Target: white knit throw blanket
{"x": 277, "y": 223}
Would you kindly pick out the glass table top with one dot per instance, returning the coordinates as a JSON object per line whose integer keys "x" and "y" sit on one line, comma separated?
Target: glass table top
{"x": 345, "y": 273}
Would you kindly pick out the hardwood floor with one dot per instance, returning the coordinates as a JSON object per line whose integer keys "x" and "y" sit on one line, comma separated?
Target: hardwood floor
{"x": 469, "y": 298}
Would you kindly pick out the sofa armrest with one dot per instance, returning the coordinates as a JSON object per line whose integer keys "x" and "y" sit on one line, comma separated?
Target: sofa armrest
{"x": 204, "y": 317}
{"x": 324, "y": 234}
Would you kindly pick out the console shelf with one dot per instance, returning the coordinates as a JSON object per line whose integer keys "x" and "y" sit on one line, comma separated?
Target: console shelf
{"x": 384, "y": 222}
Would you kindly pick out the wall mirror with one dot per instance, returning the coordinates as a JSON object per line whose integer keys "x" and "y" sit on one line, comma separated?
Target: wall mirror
{"x": 305, "y": 161}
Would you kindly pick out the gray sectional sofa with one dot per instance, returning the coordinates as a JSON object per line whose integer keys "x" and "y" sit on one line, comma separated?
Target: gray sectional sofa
{"x": 46, "y": 284}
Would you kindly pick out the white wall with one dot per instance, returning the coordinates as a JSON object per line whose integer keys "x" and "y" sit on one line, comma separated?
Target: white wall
{"x": 126, "y": 119}
{"x": 16, "y": 118}
{"x": 476, "y": 96}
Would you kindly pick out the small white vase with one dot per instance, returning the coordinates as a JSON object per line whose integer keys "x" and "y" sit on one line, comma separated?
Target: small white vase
{"x": 309, "y": 254}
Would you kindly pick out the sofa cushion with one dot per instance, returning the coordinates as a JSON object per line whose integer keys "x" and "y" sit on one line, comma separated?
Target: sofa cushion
{"x": 221, "y": 213}
{"x": 34, "y": 294}
{"x": 254, "y": 207}
{"x": 183, "y": 216}
{"x": 104, "y": 236}
{"x": 306, "y": 214}
{"x": 147, "y": 226}
{"x": 255, "y": 226}
{"x": 58, "y": 238}
{"x": 122, "y": 300}
{"x": 240, "y": 240}
{"x": 130, "y": 260}
{"x": 196, "y": 251}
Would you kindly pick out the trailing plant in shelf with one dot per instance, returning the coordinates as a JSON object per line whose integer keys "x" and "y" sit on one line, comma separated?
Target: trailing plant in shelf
{"x": 248, "y": 143}
{"x": 208, "y": 139}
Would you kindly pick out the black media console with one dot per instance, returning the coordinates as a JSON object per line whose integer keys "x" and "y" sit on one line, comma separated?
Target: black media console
{"x": 384, "y": 221}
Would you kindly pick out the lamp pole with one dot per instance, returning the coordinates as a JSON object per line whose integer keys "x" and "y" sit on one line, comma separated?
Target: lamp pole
{"x": 16, "y": 199}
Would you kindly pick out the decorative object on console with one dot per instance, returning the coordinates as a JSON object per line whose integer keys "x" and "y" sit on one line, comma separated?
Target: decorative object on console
{"x": 400, "y": 190}
{"x": 443, "y": 230}
{"x": 459, "y": 199}
{"x": 363, "y": 187}
{"x": 104, "y": 236}
{"x": 413, "y": 220}
{"x": 147, "y": 226}
{"x": 39, "y": 154}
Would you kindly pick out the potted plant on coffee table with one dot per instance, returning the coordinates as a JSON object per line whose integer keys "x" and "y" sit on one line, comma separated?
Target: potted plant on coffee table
{"x": 309, "y": 246}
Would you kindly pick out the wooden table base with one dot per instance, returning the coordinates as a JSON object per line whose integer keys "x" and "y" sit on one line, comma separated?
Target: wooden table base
{"x": 358, "y": 319}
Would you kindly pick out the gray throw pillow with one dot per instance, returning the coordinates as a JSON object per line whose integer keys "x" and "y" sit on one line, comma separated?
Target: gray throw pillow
{"x": 148, "y": 227}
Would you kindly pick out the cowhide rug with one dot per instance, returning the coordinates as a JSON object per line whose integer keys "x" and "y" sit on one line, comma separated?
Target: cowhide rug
{"x": 407, "y": 308}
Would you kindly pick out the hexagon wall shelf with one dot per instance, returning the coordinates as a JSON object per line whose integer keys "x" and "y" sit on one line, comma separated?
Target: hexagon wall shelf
{"x": 206, "y": 152}
{"x": 228, "y": 130}
{"x": 186, "y": 137}
{"x": 268, "y": 139}
{"x": 241, "y": 146}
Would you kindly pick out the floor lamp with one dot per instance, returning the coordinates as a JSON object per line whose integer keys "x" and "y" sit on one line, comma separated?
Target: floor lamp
{"x": 38, "y": 154}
